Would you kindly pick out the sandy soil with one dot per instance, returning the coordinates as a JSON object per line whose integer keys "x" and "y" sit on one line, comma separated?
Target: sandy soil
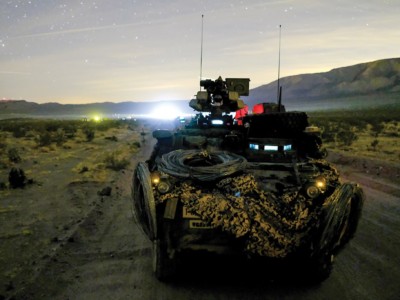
{"x": 60, "y": 239}
{"x": 38, "y": 220}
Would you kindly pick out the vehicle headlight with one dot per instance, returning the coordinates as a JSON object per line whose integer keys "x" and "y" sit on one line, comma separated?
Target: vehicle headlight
{"x": 312, "y": 191}
{"x": 163, "y": 187}
{"x": 161, "y": 182}
{"x": 155, "y": 178}
{"x": 320, "y": 182}
{"x": 217, "y": 122}
{"x": 315, "y": 187}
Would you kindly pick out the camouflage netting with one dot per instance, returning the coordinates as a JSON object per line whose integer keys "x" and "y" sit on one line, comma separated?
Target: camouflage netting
{"x": 330, "y": 173}
{"x": 270, "y": 226}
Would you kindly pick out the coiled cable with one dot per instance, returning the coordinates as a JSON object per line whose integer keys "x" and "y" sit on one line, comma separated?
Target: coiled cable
{"x": 201, "y": 165}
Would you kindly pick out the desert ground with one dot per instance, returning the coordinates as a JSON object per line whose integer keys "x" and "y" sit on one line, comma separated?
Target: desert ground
{"x": 70, "y": 233}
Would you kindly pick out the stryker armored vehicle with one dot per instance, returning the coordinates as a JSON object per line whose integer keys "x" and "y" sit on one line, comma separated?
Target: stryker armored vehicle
{"x": 254, "y": 185}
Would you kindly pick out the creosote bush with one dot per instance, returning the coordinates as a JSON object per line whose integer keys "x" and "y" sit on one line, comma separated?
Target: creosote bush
{"x": 111, "y": 138}
{"x": 347, "y": 136}
{"x": 113, "y": 162}
{"x": 17, "y": 178}
{"x": 89, "y": 133}
{"x": 135, "y": 144}
{"x": 3, "y": 145}
{"x": 43, "y": 139}
{"x": 13, "y": 155}
{"x": 60, "y": 137}
{"x": 19, "y": 132}
{"x": 374, "y": 144}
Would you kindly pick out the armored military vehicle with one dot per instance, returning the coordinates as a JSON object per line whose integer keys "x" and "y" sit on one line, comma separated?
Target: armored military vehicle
{"x": 253, "y": 184}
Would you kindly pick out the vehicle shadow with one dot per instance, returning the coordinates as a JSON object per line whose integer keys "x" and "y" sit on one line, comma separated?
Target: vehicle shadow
{"x": 223, "y": 272}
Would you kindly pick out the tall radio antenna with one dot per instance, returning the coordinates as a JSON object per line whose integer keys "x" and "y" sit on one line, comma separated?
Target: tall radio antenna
{"x": 201, "y": 51}
{"x": 279, "y": 65}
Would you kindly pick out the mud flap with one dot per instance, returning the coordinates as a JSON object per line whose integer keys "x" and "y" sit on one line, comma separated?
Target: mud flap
{"x": 144, "y": 207}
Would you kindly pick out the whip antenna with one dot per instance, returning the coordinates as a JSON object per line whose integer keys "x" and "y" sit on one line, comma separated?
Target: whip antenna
{"x": 201, "y": 50}
{"x": 279, "y": 67}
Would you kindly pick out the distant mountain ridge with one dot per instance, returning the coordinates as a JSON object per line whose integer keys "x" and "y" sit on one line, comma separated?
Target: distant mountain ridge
{"x": 376, "y": 82}
{"x": 23, "y": 107}
{"x": 381, "y": 77}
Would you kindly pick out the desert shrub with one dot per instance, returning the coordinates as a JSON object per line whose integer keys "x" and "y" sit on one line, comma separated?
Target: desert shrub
{"x": 17, "y": 178}
{"x": 3, "y": 164}
{"x": 37, "y": 125}
{"x": 43, "y": 139}
{"x": 376, "y": 128}
{"x": 392, "y": 134}
{"x": 107, "y": 124}
{"x": 136, "y": 144}
{"x": 105, "y": 191}
{"x": 360, "y": 125}
{"x": 112, "y": 161}
{"x": 329, "y": 131}
{"x": 346, "y": 137}
{"x": 52, "y": 126}
{"x": 343, "y": 133}
{"x": 89, "y": 133}
{"x": 70, "y": 130}
{"x": 3, "y": 145}
{"x": 19, "y": 132}
{"x": 60, "y": 137}
{"x": 111, "y": 138}
{"x": 374, "y": 144}
{"x": 13, "y": 155}
{"x": 83, "y": 169}
{"x": 3, "y": 185}
{"x": 388, "y": 152}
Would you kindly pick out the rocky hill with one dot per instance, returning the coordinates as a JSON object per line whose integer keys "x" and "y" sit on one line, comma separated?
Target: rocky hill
{"x": 376, "y": 82}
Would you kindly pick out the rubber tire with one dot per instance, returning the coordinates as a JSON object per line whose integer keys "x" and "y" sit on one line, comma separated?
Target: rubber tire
{"x": 320, "y": 267}
{"x": 164, "y": 266}
{"x": 349, "y": 226}
{"x": 344, "y": 230}
{"x": 143, "y": 207}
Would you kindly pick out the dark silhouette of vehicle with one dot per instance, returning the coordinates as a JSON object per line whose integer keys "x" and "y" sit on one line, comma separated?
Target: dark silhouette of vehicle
{"x": 255, "y": 185}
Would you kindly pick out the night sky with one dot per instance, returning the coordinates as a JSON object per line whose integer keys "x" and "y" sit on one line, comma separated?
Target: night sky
{"x": 137, "y": 50}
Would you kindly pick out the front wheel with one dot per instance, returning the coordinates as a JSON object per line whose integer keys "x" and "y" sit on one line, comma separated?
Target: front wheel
{"x": 144, "y": 207}
{"x": 164, "y": 266}
{"x": 351, "y": 217}
{"x": 319, "y": 267}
